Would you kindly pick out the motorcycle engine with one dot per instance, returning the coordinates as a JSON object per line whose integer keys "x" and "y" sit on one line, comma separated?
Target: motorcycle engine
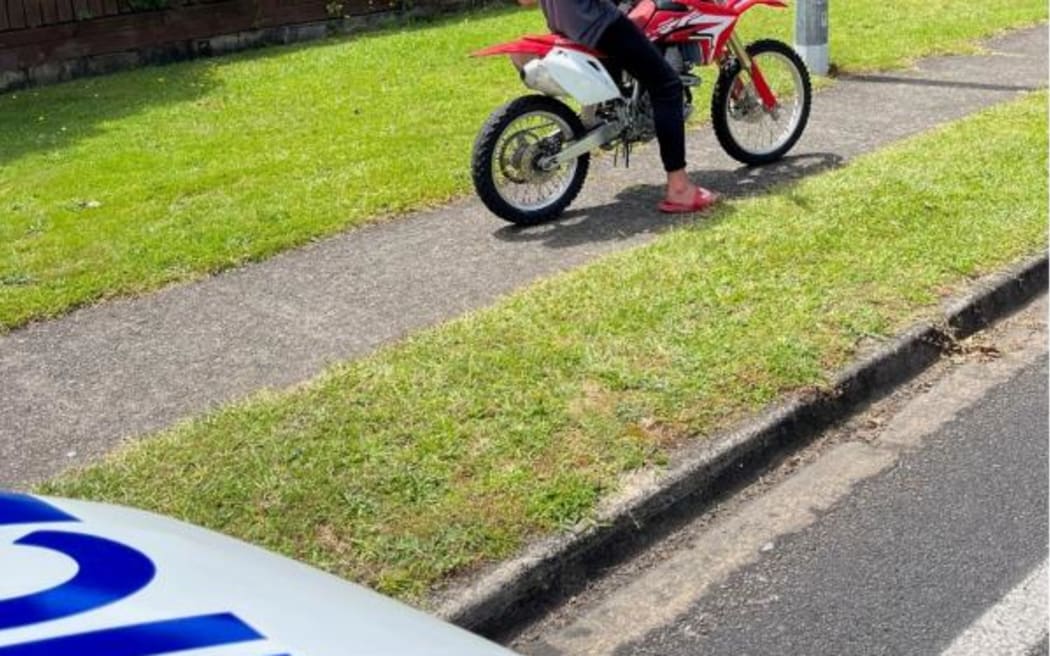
{"x": 682, "y": 58}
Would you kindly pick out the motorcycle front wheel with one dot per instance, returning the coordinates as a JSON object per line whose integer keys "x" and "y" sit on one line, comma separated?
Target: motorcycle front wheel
{"x": 508, "y": 160}
{"x": 747, "y": 131}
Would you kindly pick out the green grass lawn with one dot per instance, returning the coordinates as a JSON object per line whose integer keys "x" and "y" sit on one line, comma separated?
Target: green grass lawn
{"x": 460, "y": 444}
{"x": 118, "y": 185}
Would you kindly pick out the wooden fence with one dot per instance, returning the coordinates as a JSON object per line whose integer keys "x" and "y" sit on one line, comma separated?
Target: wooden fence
{"x": 46, "y": 40}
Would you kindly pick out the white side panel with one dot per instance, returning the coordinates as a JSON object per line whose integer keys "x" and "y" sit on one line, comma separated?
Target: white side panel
{"x": 582, "y": 76}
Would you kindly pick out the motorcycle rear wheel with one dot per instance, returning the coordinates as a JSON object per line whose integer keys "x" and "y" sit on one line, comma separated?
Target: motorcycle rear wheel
{"x": 506, "y": 166}
{"x": 747, "y": 131}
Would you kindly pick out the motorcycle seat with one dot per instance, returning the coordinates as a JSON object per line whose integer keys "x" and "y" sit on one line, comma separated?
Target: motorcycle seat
{"x": 670, "y": 5}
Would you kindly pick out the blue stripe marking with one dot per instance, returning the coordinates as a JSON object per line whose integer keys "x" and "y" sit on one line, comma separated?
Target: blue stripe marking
{"x": 147, "y": 639}
{"x": 23, "y": 509}
{"x": 107, "y": 572}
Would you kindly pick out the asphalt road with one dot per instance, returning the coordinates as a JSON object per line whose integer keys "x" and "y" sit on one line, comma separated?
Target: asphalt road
{"x": 909, "y": 561}
{"x": 919, "y": 528}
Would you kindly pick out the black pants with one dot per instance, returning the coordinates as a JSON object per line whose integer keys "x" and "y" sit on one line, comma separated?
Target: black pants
{"x": 629, "y": 49}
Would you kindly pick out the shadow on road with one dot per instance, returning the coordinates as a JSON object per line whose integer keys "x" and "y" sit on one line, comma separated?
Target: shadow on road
{"x": 634, "y": 210}
{"x": 951, "y": 84}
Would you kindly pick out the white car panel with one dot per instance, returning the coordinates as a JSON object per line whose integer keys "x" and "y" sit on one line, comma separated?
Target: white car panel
{"x": 80, "y": 578}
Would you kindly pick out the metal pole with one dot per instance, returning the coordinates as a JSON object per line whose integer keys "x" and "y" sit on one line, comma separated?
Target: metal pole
{"x": 811, "y": 34}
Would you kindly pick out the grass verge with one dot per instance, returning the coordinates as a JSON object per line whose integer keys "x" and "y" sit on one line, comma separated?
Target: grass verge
{"x": 118, "y": 185}
{"x": 458, "y": 445}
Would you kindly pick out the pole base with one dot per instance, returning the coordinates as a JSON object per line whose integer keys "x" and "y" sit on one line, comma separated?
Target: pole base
{"x": 816, "y": 58}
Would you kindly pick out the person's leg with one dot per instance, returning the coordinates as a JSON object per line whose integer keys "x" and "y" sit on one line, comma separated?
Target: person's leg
{"x": 631, "y": 50}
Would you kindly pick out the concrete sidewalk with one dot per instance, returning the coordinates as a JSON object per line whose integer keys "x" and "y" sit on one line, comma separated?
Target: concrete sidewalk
{"x": 71, "y": 388}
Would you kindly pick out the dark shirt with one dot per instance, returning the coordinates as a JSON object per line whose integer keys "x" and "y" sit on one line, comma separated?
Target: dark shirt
{"x": 583, "y": 21}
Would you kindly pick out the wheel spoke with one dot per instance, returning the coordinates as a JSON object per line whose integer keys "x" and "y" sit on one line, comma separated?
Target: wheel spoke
{"x": 750, "y": 125}
{"x": 518, "y": 178}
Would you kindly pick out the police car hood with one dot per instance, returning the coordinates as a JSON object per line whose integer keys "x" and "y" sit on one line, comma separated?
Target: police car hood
{"x": 80, "y": 578}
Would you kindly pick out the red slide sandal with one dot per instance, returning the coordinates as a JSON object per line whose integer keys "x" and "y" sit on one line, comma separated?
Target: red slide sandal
{"x": 702, "y": 200}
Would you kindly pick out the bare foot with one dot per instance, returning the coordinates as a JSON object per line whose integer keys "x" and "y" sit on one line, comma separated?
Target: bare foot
{"x": 681, "y": 190}
{"x": 683, "y": 193}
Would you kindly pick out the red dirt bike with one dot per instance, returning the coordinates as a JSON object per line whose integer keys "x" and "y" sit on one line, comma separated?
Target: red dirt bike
{"x": 532, "y": 155}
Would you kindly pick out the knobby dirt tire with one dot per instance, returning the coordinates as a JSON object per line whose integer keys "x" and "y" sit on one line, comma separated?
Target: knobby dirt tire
{"x": 484, "y": 152}
{"x": 720, "y": 104}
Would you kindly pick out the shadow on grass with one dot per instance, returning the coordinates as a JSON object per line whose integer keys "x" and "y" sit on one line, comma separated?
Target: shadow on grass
{"x": 634, "y": 210}
{"x": 52, "y": 118}
{"x": 379, "y": 26}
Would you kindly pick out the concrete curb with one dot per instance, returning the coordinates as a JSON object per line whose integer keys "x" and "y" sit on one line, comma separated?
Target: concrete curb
{"x": 551, "y": 569}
